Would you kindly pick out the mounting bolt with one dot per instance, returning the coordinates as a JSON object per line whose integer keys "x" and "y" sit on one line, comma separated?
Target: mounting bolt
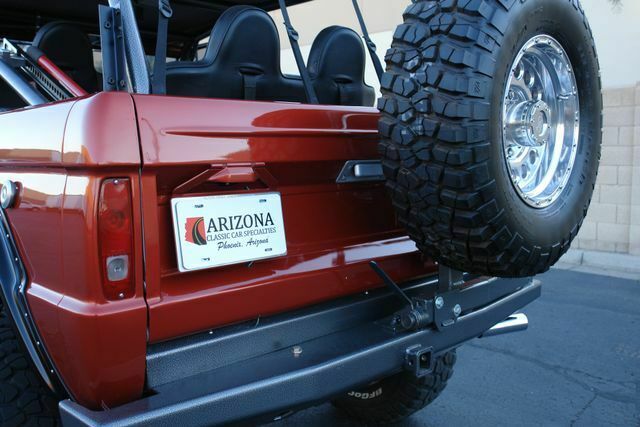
{"x": 297, "y": 351}
{"x": 439, "y": 303}
{"x": 457, "y": 310}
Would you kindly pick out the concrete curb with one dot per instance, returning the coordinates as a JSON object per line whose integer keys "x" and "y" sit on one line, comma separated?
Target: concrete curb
{"x": 604, "y": 263}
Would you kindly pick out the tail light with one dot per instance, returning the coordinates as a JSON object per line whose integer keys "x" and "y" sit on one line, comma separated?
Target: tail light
{"x": 115, "y": 225}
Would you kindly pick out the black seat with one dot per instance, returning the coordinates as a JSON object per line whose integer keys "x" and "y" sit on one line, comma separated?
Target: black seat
{"x": 336, "y": 65}
{"x": 242, "y": 61}
{"x": 70, "y": 49}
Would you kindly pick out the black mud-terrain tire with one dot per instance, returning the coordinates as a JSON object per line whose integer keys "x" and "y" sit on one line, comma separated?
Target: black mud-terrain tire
{"x": 24, "y": 399}
{"x": 393, "y": 399}
{"x": 441, "y": 133}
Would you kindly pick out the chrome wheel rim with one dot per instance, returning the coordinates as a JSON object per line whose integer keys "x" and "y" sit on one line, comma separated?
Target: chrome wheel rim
{"x": 541, "y": 121}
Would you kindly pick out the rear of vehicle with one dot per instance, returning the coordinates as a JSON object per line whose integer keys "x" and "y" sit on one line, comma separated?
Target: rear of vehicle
{"x": 199, "y": 250}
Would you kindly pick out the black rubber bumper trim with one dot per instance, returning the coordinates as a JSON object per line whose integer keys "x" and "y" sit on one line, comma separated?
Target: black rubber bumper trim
{"x": 298, "y": 388}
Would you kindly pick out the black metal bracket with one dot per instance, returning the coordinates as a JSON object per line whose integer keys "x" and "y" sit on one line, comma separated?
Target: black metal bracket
{"x": 449, "y": 279}
{"x": 418, "y": 312}
{"x": 443, "y": 310}
{"x": 447, "y": 304}
{"x": 112, "y": 45}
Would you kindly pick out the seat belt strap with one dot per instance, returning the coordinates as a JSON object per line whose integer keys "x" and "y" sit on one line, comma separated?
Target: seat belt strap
{"x": 371, "y": 46}
{"x": 250, "y": 82}
{"x": 342, "y": 94}
{"x": 293, "y": 35}
{"x": 159, "y": 82}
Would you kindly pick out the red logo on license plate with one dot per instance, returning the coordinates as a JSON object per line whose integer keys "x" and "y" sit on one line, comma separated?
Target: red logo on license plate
{"x": 195, "y": 231}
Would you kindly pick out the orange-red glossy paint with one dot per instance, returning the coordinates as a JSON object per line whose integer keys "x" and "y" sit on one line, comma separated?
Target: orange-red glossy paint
{"x": 332, "y": 230}
{"x": 178, "y": 147}
{"x": 59, "y": 154}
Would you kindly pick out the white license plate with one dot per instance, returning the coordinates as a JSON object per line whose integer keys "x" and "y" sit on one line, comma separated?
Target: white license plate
{"x": 221, "y": 230}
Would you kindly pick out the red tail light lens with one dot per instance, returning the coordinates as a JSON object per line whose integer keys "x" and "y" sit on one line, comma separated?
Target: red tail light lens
{"x": 115, "y": 224}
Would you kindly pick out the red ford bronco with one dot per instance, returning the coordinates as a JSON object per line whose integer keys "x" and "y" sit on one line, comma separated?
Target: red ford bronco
{"x": 191, "y": 237}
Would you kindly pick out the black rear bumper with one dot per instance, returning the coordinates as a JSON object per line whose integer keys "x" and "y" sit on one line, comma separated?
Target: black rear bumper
{"x": 294, "y": 361}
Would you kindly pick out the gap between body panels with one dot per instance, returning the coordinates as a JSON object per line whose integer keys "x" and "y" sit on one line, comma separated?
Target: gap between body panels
{"x": 142, "y": 222}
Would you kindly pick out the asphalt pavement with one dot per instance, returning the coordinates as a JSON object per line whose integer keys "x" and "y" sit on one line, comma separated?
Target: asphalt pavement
{"x": 578, "y": 364}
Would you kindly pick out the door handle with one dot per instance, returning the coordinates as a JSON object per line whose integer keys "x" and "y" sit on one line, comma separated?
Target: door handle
{"x": 361, "y": 171}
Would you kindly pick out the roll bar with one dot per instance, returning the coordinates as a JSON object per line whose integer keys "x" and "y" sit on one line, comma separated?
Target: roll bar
{"x": 138, "y": 68}
{"x": 20, "y": 84}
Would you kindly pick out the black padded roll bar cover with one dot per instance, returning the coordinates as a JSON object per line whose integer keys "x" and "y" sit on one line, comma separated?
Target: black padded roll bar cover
{"x": 34, "y": 53}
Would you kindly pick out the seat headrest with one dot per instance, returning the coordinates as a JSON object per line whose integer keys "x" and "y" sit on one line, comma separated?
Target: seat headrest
{"x": 245, "y": 36}
{"x": 70, "y": 49}
{"x": 338, "y": 53}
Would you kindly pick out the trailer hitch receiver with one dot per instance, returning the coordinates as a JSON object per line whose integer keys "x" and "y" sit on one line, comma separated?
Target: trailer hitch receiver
{"x": 419, "y": 360}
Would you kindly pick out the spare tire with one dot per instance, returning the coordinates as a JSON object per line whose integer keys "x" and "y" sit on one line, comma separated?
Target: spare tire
{"x": 491, "y": 130}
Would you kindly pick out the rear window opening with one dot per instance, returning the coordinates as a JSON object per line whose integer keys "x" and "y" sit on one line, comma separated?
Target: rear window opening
{"x": 243, "y": 55}
{"x": 246, "y": 54}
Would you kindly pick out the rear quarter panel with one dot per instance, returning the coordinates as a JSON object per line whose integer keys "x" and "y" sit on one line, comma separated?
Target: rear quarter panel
{"x": 58, "y": 154}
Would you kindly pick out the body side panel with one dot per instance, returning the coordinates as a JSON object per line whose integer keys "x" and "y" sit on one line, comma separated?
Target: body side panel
{"x": 58, "y": 155}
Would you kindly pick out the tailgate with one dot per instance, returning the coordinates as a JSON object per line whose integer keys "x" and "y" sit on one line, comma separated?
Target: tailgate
{"x": 201, "y": 148}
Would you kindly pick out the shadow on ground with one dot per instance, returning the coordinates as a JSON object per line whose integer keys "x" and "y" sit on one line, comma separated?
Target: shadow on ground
{"x": 578, "y": 364}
